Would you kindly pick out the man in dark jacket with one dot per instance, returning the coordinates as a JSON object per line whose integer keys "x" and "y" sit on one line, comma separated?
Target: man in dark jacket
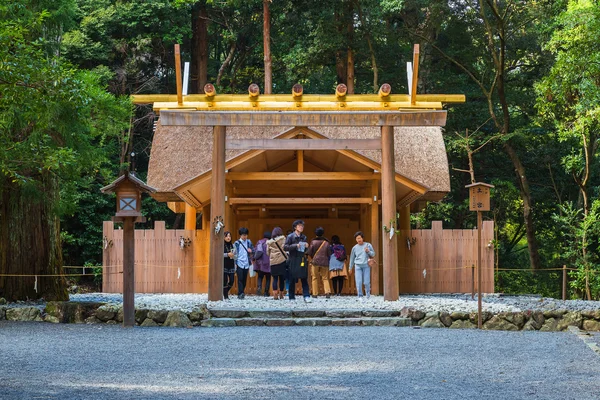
{"x": 296, "y": 246}
{"x": 319, "y": 252}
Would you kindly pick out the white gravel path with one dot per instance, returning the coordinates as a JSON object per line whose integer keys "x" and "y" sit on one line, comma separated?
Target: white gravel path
{"x": 428, "y": 303}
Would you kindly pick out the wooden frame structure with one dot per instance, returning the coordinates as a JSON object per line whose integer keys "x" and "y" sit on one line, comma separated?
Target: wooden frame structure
{"x": 383, "y": 110}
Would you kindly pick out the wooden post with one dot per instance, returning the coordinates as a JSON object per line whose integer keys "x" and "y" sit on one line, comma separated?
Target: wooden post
{"x": 300, "y": 157}
{"x": 190, "y": 217}
{"x": 217, "y": 210}
{"x": 388, "y": 211}
{"x": 206, "y": 218}
{"x": 479, "y": 267}
{"x": 564, "y": 283}
{"x": 415, "y": 76}
{"x": 128, "y": 272}
{"x": 405, "y": 218}
{"x": 472, "y": 281}
{"x": 178, "y": 75}
{"x": 375, "y": 233}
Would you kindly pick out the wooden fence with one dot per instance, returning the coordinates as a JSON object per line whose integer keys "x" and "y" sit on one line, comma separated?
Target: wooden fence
{"x": 438, "y": 261}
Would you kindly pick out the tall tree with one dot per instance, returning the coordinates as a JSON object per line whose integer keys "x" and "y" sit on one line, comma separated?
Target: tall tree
{"x": 503, "y": 39}
{"x": 54, "y": 122}
{"x": 199, "y": 46}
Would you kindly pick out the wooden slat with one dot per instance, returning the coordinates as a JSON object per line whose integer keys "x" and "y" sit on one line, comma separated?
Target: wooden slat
{"x": 301, "y": 176}
{"x": 306, "y": 118}
{"x": 219, "y": 98}
{"x": 303, "y": 144}
{"x": 298, "y": 200}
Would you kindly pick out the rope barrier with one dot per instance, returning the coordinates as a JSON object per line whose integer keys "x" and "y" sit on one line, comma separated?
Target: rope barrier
{"x": 54, "y": 275}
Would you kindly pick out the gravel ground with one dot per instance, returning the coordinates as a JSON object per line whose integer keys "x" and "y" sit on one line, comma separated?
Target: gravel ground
{"x": 47, "y": 361}
{"x": 449, "y": 303}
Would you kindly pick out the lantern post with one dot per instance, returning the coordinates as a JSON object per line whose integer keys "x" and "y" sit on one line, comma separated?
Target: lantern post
{"x": 479, "y": 200}
{"x": 129, "y": 204}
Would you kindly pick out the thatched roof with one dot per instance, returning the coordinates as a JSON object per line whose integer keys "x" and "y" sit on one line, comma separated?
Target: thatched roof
{"x": 181, "y": 153}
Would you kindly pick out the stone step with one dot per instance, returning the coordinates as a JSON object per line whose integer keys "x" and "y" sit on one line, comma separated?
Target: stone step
{"x": 307, "y": 321}
{"x": 299, "y": 313}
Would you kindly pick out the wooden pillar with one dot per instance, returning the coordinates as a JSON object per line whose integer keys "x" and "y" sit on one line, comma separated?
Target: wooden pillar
{"x": 229, "y": 223}
{"x": 205, "y": 217}
{"x": 190, "y": 217}
{"x": 405, "y": 218}
{"x": 388, "y": 211}
{"x": 128, "y": 272}
{"x": 217, "y": 210}
{"x": 375, "y": 234}
{"x": 300, "y": 157}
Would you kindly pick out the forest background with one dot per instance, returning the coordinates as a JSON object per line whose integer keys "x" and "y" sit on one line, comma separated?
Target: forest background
{"x": 530, "y": 70}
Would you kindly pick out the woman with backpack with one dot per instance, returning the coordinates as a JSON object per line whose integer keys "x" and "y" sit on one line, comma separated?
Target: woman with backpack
{"x": 262, "y": 265}
{"x": 319, "y": 253}
{"x": 278, "y": 261}
{"x": 296, "y": 246}
{"x": 359, "y": 258}
{"x": 337, "y": 265}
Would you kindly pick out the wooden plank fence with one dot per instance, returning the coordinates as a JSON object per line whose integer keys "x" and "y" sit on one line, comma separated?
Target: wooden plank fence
{"x": 441, "y": 260}
{"x": 438, "y": 261}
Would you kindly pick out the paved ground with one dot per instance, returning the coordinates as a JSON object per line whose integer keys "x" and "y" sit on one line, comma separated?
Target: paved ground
{"x": 46, "y": 361}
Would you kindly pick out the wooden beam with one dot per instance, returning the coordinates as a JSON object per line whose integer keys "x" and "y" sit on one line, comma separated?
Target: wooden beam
{"x": 178, "y": 75}
{"x": 299, "y": 200}
{"x": 349, "y": 98}
{"x": 303, "y": 144}
{"x": 388, "y": 211}
{"x": 415, "y": 75}
{"x": 217, "y": 210}
{"x": 301, "y": 176}
{"x": 177, "y": 207}
{"x": 306, "y": 118}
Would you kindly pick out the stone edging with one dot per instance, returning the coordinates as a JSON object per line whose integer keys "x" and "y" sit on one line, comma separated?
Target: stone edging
{"x": 82, "y": 312}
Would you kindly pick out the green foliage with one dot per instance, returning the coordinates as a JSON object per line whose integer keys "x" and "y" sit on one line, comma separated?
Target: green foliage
{"x": 579, "y": 249}
{"x": 53, "y": 118}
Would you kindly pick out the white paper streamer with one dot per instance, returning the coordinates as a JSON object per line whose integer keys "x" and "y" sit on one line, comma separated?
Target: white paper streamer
{"x": 178, "y": 272}
{"x": 424, "y": 273}
{"x": 35, "y": 284}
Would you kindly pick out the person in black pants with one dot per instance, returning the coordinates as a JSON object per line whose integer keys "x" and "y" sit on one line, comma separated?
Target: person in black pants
{"x": 296, "y": 245}
{"x": 228, "y": 265}
{"x": 245, "y": 252}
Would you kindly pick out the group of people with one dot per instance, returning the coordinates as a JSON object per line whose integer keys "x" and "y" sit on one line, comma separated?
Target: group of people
{"x": 286, "y": 259}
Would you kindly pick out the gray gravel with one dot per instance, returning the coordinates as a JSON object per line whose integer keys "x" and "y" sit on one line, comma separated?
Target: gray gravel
{"x": 48, "y": 361}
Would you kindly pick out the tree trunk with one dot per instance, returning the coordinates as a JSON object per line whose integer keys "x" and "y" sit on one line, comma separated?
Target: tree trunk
{"x": 340, "y": 57}
{"x": 340, "y": 67}
{"x": 267, "y": 46}
{"x": 532, "y": 244}
{"x": 350, "y": 66}
{"x": 199, "y": 50}
{"x": 226, "y": 62}
{"x": 30, "y": 243}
